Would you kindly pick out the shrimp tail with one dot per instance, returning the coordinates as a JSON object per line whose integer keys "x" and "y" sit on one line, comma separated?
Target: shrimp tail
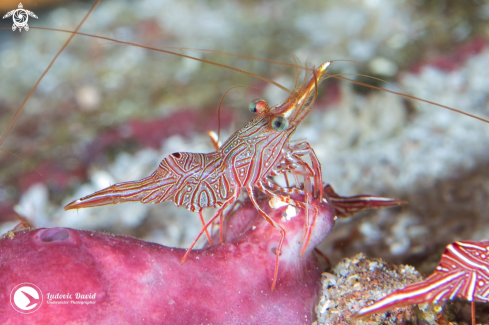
{"x": 152, "y": 189}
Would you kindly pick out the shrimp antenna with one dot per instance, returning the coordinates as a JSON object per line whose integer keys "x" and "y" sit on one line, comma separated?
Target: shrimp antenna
{"x": 249, "y": 73}
{"x": 170, "y": 52}
{"x": 19, "y": 110}
{"x": 356, "y": 62}
{"x": 253, "y": 58}
{"x": 25, "y": 161}
{"x": 297, "y": 72}
{"x": 247, "y": 57}
{"x": 379, "y": 79}
{"x": 410, "y": 97}
{"x": 219, "y": 113}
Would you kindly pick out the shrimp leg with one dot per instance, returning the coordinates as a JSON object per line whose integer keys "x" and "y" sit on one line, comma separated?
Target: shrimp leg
{"x": 273, "y": 224}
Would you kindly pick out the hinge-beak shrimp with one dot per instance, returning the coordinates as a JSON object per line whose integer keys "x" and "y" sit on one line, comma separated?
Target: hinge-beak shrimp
{"x": 463, "y": 272}
{"x": 245, "y": 161}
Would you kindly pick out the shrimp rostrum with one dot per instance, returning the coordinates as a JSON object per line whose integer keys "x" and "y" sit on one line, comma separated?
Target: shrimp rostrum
{"x": 246, "y": 161}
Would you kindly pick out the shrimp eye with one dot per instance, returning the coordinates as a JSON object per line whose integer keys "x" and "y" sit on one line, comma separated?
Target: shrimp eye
{"x": 280, "y": 123}
{"x": 258, "y": 106}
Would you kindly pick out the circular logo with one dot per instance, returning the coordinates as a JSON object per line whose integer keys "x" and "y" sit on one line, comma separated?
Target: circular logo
{"x": 26, "y": 298}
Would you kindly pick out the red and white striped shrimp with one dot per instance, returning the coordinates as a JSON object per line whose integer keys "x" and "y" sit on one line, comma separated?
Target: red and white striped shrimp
{"x": 198, "y": 181}
{"x": 463, "y": 272}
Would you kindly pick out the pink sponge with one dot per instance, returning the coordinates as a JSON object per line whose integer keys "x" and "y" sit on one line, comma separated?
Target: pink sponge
{"x": 93, "y": 278}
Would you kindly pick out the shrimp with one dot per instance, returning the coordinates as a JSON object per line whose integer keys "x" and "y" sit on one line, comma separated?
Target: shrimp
{"x": 245, "y": 161}
{"x": 462, "y": 272}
